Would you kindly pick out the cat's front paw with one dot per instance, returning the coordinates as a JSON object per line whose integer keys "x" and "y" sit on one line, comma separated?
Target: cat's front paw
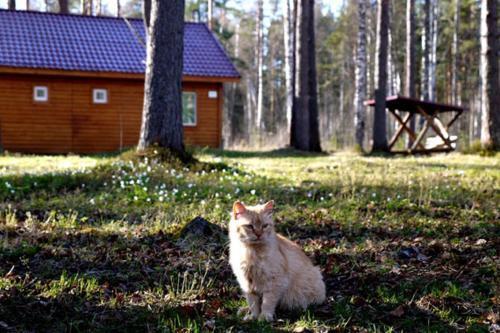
{"x": 266, "y": 316}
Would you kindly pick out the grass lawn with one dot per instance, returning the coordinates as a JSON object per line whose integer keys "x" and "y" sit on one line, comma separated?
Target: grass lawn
{"x": 96, "y": 243}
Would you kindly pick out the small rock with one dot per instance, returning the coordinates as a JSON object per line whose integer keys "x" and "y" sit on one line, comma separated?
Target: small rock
{"x": 398, "y": 312}
{"x": 407, "y": 253}
{"x": 198, "y": 227}
{"x": 412, "y": 252}
{"x": 481, "y": 241}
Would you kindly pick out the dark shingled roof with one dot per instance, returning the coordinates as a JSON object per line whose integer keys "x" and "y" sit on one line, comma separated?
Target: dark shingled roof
{"x": 101, "y": 44}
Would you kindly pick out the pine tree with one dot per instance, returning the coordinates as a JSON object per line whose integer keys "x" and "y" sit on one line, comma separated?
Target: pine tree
{"x": 379, "y": 122}
{"x": 305, "y": 127}
{"x": 490, "y": 93}
{"x": 162, "y": 112}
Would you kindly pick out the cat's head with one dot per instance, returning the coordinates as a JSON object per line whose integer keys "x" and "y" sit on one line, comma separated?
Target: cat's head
{"x": 253, "y": 224}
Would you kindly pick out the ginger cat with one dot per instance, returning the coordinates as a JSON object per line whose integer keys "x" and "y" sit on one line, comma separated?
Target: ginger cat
{"x": 271, "y": 269}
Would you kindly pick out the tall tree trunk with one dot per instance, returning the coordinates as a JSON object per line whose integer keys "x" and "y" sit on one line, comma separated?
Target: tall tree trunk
{"x": 288, "y": 41}
{"x": 87, "y": 7}
{"x": 27, "y": 4}
{"x": 146, "y": 13}
{"x": 12, "y": 5}
{"x": 369, "y": 56}
{"x": 379, "y": 121}
{"x": 294, "y": 12}
{"x": 251, "y": 102}
{"x": 210, "y": 14}
{"x": 490, "y": 93}
{"x": 426, "y": 46}
{"x": 162, "y": 113}
{"x": 426, "y": 55}
{"x": 260, "y": 68}
{"x": 360, "y": 76}
{"x": 433, "y": 51}
{"x": 455, "y": 55}
{"x": 305, "y": 127}
{"x": 118, "y": 8}
{"x": 98, "y": 11}
{"x": 410, "y": 60}
{"x": 63, "y": 7}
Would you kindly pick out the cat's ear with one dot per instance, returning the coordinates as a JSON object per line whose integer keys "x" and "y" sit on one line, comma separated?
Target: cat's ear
{"x": 238, "y": 209}
{"x": 268, "y": 207}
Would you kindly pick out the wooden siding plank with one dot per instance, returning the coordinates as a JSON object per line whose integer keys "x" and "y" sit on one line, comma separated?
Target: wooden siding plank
{"x": 70, "y": 122}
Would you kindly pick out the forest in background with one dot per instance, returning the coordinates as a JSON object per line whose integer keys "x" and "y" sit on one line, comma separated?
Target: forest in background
{"x": 336, "y": 40}
{"x": 250, "y": 31}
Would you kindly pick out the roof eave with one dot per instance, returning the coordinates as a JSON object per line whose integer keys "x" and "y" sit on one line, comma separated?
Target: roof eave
{"x": 108, "y": 75}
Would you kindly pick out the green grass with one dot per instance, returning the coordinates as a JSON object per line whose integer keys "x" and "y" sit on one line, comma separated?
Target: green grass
{"x": 94, "y": 243}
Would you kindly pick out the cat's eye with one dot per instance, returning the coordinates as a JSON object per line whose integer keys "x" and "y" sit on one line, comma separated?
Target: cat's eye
{"x": 248, "y": 226}
{"x": 265, "y": 226}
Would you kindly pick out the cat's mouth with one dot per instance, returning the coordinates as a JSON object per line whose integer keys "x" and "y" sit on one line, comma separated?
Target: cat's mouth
{"x": 253, "y": 241}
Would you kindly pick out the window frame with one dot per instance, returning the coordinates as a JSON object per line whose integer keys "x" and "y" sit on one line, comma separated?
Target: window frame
{"x": 195, "y": 123}
{"x": 39, "y": 99}
{"x": 96, "y": 91}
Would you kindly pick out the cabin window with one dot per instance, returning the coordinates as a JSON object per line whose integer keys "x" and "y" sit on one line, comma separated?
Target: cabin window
{"x": 40, "y": 94}
{"x": 189, "y": 108}
{"x": 100, "y": 96}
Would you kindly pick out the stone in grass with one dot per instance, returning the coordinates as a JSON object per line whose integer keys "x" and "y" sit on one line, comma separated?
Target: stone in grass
{"x": 198, "y": 228}
{"x": 412, "y": 252}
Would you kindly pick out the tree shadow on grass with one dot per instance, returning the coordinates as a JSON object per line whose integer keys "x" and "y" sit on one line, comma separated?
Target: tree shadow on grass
{"x": 128, "y": 270}
{"x": 276, "y": 153}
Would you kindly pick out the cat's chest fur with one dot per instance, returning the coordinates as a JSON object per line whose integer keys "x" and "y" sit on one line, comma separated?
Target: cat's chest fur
{"x": 255, "y": 269}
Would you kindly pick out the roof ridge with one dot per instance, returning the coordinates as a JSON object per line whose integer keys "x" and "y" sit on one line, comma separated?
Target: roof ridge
{"x": 24, "y": 12}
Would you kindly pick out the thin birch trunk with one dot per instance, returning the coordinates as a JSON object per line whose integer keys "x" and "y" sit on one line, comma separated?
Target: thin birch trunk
{"x": 455, "y": 55}
{"x": 410, "y": 60}
{"x": 360, "y": 76}
{"x": 260, "y": 68}
{"x": 288, "y": 39}
{"x": 426, "y": 46}
{"x": 210, "y": 18}
{"x": 433, "y": 50}
{"x": 99, "y": 8}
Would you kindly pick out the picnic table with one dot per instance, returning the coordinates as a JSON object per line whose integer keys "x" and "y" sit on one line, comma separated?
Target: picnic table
{"x": 404, "y": 109}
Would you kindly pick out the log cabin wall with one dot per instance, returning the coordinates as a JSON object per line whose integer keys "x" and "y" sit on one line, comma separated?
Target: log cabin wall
{"x": 70, "y": 122}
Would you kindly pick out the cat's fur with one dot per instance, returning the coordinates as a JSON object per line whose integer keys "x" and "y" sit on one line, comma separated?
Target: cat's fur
{"x": 270, "y": 269}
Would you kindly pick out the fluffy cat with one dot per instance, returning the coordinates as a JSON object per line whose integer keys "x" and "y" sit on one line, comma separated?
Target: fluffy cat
{"x": 271, "y": 269}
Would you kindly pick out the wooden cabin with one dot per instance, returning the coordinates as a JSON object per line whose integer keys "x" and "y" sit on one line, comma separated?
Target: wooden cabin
{"x": 71, "y": 83}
